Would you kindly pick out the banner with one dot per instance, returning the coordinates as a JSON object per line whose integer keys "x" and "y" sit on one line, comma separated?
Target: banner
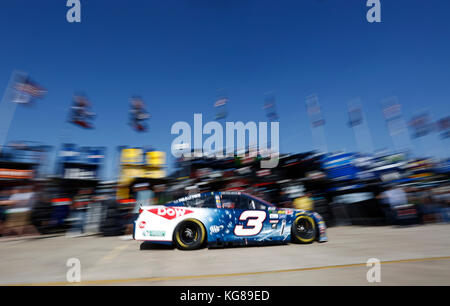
{"x": 138, "y": 114}
{"x": 80, "y": 113}
{"x": 80, "y": 162}
{"x": 16, "y": 174}
{"x": 155, "y": 158}
{"x": 25, "y": 90}
{"x": 314, "y": 111}
{"x": 355, "y": 116}
{"x": 270, "y": 108}
{"x": 392, "y": 112}
{"x": 443, "y": 126}
{"x": 220, "y": 105}
{"x": 131, "y": 156}
{"x": 138, "y": 163}
{"x": 421, "y": 125}
{"x": 391, "y": 109}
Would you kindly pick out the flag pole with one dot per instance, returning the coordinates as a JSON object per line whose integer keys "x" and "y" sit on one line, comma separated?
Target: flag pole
{"x": 317, "y": 123}
{"x": 358, "y": 123}
{"x": 7, "y": 108}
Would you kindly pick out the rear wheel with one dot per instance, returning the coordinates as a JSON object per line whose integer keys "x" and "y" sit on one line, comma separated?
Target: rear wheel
{"x": 189, "y": 235}
{"x": 303, "y": 229}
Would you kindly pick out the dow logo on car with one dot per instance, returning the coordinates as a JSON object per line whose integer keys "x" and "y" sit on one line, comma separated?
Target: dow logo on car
{"x": 170, "y": 213}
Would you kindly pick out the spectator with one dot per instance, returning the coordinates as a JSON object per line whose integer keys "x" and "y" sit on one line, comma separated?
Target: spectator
{"x": 161, "y": 195}
{"x": 304, "y": 202}
{"x": 284, "y": 200}
{"x": 79, "y": 210}
{"x": 19, "y": 213}
{"x": 4, "y": 204}
{"x": 430, "y": 209}
{"x": 144, "y": 197}
{"x": 392, "y": 199}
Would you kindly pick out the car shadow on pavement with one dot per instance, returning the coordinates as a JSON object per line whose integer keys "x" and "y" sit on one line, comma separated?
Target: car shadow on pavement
{"x": 255, "y": 245}
{"x": 155, "y": 246}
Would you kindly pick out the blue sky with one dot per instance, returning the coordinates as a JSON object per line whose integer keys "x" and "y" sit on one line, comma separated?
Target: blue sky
{"x": 176, "y": 53}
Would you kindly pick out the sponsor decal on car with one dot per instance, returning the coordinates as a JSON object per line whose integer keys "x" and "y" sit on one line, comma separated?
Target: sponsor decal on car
{"x": 230, "y": 193}
{"x": 273, "y": 216}
{"x": 170, "y": 212}
{"x": 273, "y": 221}
{"x": 187, "y": 198}
{"x": 286, "y": 212}
{"x": 157, "y": 233}
{"x": 215, "y": 228}
{"x": 318, "y": 217}
{"x": 283, "y": 226}
{"x": 300, "y": 211}
{"x": 154, "y": 233}
{"x": 321, "y": 225}
{"x": 142, "y": 224}
{"x": 218, "y": 203}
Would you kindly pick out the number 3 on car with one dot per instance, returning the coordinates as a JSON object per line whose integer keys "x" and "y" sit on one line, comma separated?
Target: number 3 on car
{"x": 254, "y": 218}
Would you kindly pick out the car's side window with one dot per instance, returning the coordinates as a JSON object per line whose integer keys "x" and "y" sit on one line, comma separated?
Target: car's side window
{"x": 230, "y": 201}
{"x": 246, "y": 203}
{"x": 260, "y": 205}
{"x": 193, "y": 202}
{"x": 242, "y": 202}
{"x": 250, "y": 203}
{"x": 209, "y": 201}
{"x": 202, "y": 202}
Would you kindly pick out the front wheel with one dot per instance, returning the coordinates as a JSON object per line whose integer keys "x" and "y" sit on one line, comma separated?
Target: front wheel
{"x": 189, "y": 235}
{"x": 303, "y": 229}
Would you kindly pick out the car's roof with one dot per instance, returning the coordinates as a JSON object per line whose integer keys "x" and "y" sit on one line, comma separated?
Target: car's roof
{"x": 198, "y": 195}
{"x": 236, "y": 193}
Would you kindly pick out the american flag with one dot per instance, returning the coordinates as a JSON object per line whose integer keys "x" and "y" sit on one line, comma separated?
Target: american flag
{"x": 220, "y": 102}
{"x": 26, "y": 90}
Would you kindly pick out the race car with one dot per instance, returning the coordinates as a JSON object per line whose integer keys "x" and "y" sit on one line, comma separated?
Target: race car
{"x": 220, "y": 219}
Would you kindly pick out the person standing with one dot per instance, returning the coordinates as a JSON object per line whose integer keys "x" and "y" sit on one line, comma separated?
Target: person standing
{"x": 304, "y": 202}
{"x": 19, "y": 212}
{"x": 144, "y": 197}
{"x": 4, "y": 204}
{"x": 392, "y": 198}
{"x": 79, "y": 210}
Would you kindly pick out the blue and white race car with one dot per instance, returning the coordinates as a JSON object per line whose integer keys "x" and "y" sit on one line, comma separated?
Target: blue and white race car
{"x": 219, "y": 219}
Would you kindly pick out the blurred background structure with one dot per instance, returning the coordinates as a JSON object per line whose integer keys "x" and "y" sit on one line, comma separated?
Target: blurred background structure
{"x": 83, "y": 172}
{"x": 345, "y": 188}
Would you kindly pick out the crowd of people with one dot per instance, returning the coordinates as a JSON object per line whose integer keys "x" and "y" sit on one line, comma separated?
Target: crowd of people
{"x": 26, "y": 210}
{"x": 15, "y": 208}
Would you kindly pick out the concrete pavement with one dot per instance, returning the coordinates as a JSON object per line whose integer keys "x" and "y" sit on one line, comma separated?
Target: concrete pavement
{"x": 417, "y": 255}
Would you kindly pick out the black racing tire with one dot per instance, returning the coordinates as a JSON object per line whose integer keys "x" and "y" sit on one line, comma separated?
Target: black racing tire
{"x": 303, "y": 229}
{"x": 189, "y": 234}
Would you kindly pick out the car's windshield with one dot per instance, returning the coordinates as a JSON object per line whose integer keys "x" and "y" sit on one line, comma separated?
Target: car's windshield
{"x": 242, "y": 201}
